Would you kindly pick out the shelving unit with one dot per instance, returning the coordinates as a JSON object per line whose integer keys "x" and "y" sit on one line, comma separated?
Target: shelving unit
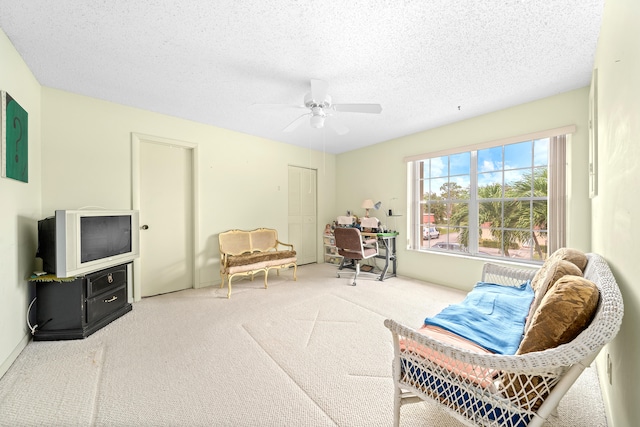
{"x": 395, "y": 224}
{"x": 330, "y": 251}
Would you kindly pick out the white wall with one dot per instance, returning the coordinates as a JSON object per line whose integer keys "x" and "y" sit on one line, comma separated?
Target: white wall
{"x": 19, "y": 212}
{"x": 379, "y": 173}
{"x": 242, "y": 179}
{"x": 616, "y": 208}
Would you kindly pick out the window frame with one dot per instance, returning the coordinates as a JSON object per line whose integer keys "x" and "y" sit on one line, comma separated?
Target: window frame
{"x": 555, "y": 198}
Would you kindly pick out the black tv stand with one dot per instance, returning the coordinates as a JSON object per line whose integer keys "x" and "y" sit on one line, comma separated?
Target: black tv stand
{"x": 75, "y": 309}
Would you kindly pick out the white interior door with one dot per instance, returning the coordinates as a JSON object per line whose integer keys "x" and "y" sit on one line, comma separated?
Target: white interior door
{"x": 303, "y": 223}
{"x": 166, "y": 218}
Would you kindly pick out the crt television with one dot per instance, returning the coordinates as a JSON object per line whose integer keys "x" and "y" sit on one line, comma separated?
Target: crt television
{"x": 76, "y": 242}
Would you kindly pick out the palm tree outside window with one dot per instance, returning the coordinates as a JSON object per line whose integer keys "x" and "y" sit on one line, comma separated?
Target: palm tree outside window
{"x": 490, "y": 201}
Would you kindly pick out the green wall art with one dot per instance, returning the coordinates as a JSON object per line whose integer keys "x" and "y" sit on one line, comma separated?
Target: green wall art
{"x": 15, "y": 139}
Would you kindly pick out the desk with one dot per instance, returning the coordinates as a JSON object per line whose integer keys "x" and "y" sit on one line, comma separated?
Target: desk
{"x": 388, "y": 240}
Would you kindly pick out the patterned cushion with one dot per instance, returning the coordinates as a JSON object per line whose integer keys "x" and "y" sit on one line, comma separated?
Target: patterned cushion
{"x": 565, "y": 310}
{"x": 548, "y": 274}
{"x": 257, "y": 257}
{"x": 572, "y": 255}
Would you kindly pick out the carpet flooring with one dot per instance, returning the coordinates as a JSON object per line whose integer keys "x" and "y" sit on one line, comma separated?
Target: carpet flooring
{"x": 311, "y": 352}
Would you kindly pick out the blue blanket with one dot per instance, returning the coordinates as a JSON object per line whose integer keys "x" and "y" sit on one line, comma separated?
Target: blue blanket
{"x": 492, "y": 316}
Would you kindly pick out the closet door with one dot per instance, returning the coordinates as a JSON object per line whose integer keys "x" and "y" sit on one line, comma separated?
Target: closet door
{"x": 303, "y": 223}
{"x": 166, "y": 203}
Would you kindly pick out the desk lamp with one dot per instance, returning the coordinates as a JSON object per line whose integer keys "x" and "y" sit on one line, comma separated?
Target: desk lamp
{"x": 367, "y": 204}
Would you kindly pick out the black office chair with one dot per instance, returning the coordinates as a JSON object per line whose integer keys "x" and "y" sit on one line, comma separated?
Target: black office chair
{"x": 352, "y": 248}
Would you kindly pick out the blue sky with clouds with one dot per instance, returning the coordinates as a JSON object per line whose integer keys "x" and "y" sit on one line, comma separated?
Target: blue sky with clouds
{"x": 513, "y": 160}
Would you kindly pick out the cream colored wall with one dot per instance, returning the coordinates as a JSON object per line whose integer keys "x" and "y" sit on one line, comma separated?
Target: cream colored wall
{"x": 19, "y": 212}
{"x": 242, "y": 179}
{"x": 616, "y": 208}
{"x": 234, "y": 178}
{"x": 379, "y": 173}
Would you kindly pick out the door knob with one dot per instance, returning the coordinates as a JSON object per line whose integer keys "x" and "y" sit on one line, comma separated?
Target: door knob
{"x": 144, "y": 227}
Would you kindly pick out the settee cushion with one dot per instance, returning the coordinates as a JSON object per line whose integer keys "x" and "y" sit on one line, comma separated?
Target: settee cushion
{"x": 259, "y": 257}
{"x": 261, "y": 266}
{"x": 549, "y": 273}
{"x": 469, "y": 372}
{"x": 565, "y": 310}
{"x": 574, "y": 256}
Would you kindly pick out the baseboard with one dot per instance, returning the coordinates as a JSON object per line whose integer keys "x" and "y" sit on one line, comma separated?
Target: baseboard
{"x": 6, "y": 364}
{"x": 207, "y": 284}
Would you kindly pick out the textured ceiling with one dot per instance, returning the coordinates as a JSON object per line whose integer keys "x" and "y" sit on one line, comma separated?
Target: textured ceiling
{"x": 428, "y": 63}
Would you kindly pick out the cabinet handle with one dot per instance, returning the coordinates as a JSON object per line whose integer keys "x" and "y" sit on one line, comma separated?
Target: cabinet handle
{"x": 112, "y": 299}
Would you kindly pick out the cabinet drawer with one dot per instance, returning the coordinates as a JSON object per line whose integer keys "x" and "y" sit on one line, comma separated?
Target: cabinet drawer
{"x": 105, "y": 279}
{"x": 102, "y": 305}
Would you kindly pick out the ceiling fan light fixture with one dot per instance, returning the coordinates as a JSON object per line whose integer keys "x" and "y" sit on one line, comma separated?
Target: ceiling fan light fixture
{"x": 316, "y": 121}
{"x": 319, "y": 104}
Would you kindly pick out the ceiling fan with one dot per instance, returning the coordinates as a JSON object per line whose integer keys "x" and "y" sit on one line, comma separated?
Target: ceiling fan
{"x": 318, "y": 102}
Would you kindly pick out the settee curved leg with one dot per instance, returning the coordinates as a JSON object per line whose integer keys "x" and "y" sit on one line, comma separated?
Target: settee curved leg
{"x": 229, "y": 291}
{"x": 295, "y": 272}
{"x": 266, "y": 275}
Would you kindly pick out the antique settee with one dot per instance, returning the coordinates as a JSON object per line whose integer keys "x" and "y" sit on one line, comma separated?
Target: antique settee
{"x": 246, "y": 253}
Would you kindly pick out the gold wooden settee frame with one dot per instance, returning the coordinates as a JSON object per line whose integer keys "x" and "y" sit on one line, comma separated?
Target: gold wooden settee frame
{"x": 245, "y": 253}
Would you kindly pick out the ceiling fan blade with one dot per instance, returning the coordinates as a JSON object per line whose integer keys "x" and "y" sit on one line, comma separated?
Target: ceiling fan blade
{"x": 318, "y": 90}
{"x": 296, "y": 123}
{"x": 336, "y": 125}
{"x": 358, "y": 108}
{"x": 277, "y": 106}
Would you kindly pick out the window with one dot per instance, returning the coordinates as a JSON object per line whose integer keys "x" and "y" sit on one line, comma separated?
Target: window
{"x": 502, "y": 200}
